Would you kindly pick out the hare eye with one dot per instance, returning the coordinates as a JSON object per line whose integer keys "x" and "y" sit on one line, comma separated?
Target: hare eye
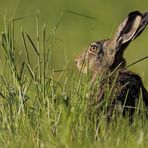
{"x": 93, "y": 48}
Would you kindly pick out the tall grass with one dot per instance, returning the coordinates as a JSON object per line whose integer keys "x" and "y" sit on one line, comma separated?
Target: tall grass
{"x": 36, "y": 110}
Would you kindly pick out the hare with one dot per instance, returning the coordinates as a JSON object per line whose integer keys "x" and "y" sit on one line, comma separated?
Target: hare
{"x": 106, "y": 56}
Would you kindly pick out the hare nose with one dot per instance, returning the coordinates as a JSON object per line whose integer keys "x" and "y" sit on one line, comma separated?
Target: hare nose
{"x": 76, "y": 61}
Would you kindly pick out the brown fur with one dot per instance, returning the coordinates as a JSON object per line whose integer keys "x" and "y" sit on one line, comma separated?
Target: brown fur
{"x": 103, "y": 57}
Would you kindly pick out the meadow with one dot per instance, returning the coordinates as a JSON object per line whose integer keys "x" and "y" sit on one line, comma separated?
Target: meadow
{"x": 43, "y": 99}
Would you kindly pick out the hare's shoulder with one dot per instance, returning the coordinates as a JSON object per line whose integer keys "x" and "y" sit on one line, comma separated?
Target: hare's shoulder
{"x": 126, "y": 76}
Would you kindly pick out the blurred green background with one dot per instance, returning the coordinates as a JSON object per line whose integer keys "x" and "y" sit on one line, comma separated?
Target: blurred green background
{"x": 76, "y": 32}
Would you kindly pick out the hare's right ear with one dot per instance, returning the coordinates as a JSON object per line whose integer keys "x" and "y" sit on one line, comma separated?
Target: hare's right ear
{"x": 127, "y": 29}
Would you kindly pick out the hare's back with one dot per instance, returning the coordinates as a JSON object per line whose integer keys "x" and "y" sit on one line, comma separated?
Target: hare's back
{"x": 131, "y": 85}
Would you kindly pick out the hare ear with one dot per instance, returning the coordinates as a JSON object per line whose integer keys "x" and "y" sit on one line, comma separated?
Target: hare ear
{"x": 142, "y": 25}
{"x": 127, "y": 29}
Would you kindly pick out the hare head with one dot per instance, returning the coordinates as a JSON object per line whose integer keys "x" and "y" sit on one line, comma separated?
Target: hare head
{"x": 92, "y": 58}
{"x": 104, "y": 55}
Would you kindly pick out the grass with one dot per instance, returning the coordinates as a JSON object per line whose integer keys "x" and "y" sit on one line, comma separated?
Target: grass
{"x": 39, "y": 109}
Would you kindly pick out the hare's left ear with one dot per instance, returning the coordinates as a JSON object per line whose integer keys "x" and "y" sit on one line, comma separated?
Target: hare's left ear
{"x": 127, "y": 29}
{"x": 142, "y": 25}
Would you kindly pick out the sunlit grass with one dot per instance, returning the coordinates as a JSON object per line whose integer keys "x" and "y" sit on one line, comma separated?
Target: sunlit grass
{"x": 40, "y": 109}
